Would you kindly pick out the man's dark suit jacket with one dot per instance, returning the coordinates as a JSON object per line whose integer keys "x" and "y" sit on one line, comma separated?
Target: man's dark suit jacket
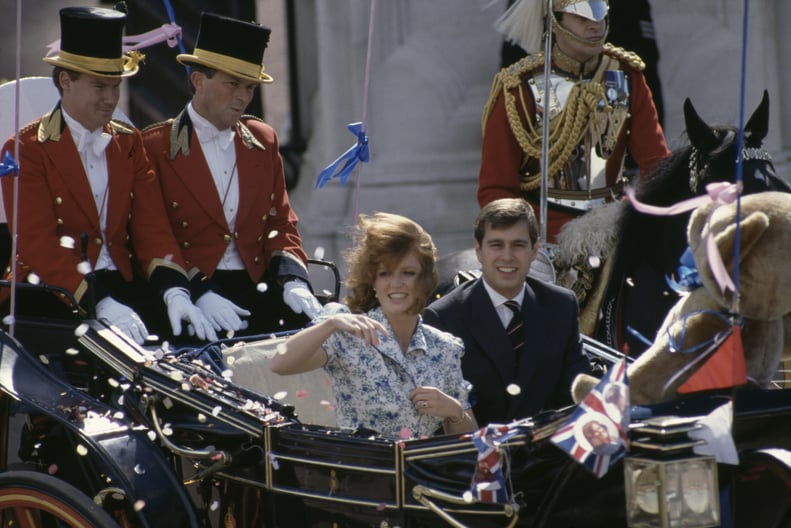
{"x": 550, "y": 359}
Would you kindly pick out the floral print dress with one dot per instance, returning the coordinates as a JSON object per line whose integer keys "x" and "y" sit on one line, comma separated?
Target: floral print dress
{"x": 372, "y": 383}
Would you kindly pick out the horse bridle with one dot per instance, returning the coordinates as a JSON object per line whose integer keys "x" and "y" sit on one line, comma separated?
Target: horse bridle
{"x": 696, "y": 171}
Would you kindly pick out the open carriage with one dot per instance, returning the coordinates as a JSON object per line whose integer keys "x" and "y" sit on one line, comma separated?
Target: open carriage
{"x": 119, "y": 435}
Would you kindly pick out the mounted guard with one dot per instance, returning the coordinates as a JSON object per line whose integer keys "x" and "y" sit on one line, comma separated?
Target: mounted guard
{"x": 600, "y": 110}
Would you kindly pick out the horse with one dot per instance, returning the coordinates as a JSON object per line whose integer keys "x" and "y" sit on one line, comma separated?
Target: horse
{"x": 618, "y": 260}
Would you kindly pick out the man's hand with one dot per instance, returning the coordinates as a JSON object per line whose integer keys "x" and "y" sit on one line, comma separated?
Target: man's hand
{"x": 181, "y": 309}
{"x": 122, "y": 317}
{"x": 221, "y": 313}
{"x": 299, "y": 298}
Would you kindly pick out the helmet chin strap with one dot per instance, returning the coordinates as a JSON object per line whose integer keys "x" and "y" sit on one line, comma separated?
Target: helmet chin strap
{"x": 590, "y": 43}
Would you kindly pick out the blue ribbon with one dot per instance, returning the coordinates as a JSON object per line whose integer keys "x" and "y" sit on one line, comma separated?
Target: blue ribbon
{"x": 688, "y": 275}
{"x": 172, "y": 17}
{"x": 8, "y": 165}
{"x": 350, "y": 158}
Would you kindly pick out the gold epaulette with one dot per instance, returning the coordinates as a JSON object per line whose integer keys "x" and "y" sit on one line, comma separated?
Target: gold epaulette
{"x": 629, "y": 57}
{"x": 27, "y": 128}
{"x": 154, "y": 125}
{"x": 507, "y": 78}
{"x": 121, "y": 127}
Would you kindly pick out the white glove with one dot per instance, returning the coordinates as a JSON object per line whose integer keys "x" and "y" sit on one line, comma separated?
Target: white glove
{"x": 221, "y": 313}
{"x": 122, "y": 317}
{"x": 298, "y": 297}
{"x": 181, "y": 309}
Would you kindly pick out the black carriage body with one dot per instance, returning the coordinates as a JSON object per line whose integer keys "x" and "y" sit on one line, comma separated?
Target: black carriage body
{"x": 272, "y": 471}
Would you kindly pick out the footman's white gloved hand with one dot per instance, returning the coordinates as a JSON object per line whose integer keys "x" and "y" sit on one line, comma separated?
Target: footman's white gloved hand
{"x": 222, "y": 313}
{"x": 122, "y": 317}
{"x": 181, "y": 309}
{"x": 299, "y": 298}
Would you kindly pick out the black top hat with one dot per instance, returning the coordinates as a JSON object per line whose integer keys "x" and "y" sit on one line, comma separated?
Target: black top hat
{"x": 91, "y": 41}
{"x": 231, "y": 46}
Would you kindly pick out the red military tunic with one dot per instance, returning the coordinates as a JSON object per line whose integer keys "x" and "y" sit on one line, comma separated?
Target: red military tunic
{"x": 504, "y": 161}
{"x": 265, "y": 231}
{"x": 55, "y": 201}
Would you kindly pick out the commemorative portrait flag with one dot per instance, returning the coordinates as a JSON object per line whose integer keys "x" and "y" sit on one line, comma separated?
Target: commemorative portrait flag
{"x": 596, "y": 433}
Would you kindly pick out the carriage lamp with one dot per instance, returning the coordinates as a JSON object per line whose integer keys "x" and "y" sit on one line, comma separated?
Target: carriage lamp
{"x": 666, "y": 484}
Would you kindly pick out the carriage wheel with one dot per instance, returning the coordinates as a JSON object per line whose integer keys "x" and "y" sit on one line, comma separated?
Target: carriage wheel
{"x": 35, "y": 500}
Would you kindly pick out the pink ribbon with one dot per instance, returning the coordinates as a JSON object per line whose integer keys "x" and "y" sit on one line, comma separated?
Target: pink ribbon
{"x": 720, "y": 193}
{"x": 165, "y": 33}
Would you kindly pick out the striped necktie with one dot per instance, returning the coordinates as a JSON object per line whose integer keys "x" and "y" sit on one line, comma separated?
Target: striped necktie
{"x": 514, "y": 328}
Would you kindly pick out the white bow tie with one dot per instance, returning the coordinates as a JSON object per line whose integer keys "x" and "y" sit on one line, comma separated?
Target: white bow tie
{"x": 96, "y": 141}
{"x": 224, "y": 138}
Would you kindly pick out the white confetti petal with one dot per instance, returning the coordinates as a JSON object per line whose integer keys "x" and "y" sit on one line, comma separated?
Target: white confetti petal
{"x": 216, "y": 411}
{"x": 152, "y": 435}
{"x": 230, "y": 360}
{"x": 168, "y": 403}
{"x": 319, "y": 253}
{"x": 84, "y": 267}
{"x": 167, "y": 430}
{"x": 67, "y": 242}
{"x": 261, "y": 287}
{"x": 82, "y": 450}
{"x": 594, "y": 261}
{"x": 177, "y": 375}
{"x": 81, "y": 330}
{"x": 227, "y": 374}
{"x": 8, "y": 320}
{"x": 201, "y": 417}
{"x": 280, "y": 395}
{"x": 33, "y": 278}
{"x": 119, "y": 415}
{"x": 72, "y": 351}
{"x": 513, "y": 389}
{"x": 140, "y": 470}
{"x": 229, "y": 334}
{"x": 139, "y": 505}
{"x": 112, "y": 382}
{"x": 214, "y": 505}
{"x": 272, "y": 234}
{"x": 467, "y": 496}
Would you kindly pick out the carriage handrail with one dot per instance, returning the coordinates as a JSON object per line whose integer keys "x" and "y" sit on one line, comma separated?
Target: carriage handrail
{"x": 602, "y": 351}
{"x": 422, "y": 493}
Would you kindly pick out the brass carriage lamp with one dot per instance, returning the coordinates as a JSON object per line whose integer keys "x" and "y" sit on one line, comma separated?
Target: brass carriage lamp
{"x": 666, "y": 484}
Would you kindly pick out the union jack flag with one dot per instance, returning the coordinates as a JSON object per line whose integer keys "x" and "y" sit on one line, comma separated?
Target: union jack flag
{"x": 596, "y": 433}
{"x": 488, "y": 482}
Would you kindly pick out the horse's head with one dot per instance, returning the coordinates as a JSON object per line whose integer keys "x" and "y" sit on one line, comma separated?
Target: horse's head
{"x": 713, "y": 154}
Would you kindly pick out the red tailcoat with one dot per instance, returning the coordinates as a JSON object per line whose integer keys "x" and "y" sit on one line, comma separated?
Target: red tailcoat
{"x": 55, "y": 201}
{"x": 503, "y": 160}
{"x": 265, "y": 225}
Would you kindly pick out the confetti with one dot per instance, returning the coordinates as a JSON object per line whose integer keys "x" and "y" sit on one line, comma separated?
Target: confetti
{"x": 168, "y": 403}
{"x": 152, "y": 435}
{"x": 594, "y": 261}
{"x": 301, "y": 393}
{"x": 280, "y": 395}
{"x": 67, "y": 242}
{"x": 272, "y": 234}
{"x": 467, "y": 496}
{"x": 273, "y": 211}
{"x": 227, "y": 374}
{"x": 140, "y": 470}
{"x": 52, "y": 469}
{"x": 319, "y": 253}
{"x": 84, "y": 267}
{"x": 33, "y": 278}
{"x": 261, "y": 287}
{"x": 630, "y": 282}
{"x": 8, "y": 320}
{"x": 72, "y": 351}
{"x": 405, "y": 433}
{"x": 229, "y": 334}
{"x": 82, "y": 450}
{"x": 230, "y": 360}
{"x": 513, "y": 389}
{"x": 201, "y": 418}
{"x": 216, "y": 411}
{"x": 139, "y": 505}
{"x": 81, "y": 330}
{"x": 44, "y": 359}
{"x": 214, "y": 506}
{"x": 167, "y": 430}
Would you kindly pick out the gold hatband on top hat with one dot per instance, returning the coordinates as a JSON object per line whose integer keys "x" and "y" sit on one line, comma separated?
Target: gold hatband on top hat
{"x": 124, "y": 66}
{"x": 227, "y": 64}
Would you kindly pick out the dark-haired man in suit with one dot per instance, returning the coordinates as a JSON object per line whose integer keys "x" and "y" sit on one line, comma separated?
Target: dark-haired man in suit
{"x": 222, "y": 178}
{"x": 521, "y": 337}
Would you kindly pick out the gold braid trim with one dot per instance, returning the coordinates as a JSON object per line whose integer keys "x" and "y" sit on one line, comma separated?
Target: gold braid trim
{"x": 629, "y": 57}
{"x": 507, "y": 78}
{"x": 566, "y": 130}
